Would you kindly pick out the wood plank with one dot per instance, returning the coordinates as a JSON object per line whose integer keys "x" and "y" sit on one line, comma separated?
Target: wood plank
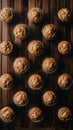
{"x": 31, "y": 4}
{"x": 0, "y": 62}
{"x": 0, "y": 53}
{"x": 19, "y": 128}
{"x": 4, "y": 58}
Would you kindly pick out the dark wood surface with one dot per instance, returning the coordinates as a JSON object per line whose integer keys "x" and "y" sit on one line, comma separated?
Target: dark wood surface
{"x": 64, "y": 98}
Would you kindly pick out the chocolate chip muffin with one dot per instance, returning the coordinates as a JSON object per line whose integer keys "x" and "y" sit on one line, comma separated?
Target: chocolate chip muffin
{"x": 35, "y": 82}
{"x": 49, "y": 65}
{"x": 20, "y": 65}
{"x": 6, "y": 81}
{"x": 7, "y": 14}
{"x": 64, "y": 114}
{"x": 64, "y": 47}
{"x": 49, "y": 98}
{"x": 21, "y": 31}
{"x": 64, "y": 15}
{"x": 35, "y": 47}
{"x": 7, "y": 114}
{"x": 49, "y": 31}
{"x": 20, "y": 98}
{"x": 35, "y": 15}
{"x": 6, "y": 47}
{"x": 65, "y": 81}
{"x": 35, "y": 114}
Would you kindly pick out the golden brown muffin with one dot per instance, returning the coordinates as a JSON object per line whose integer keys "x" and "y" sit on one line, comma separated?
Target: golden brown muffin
{"x": 49, "y": 65}
{"x": 20, "y": 65}
{"x": 35, "y": 48}
{"x": 64, "y": 47}
{"x": 64, "y": 15}
{"x": 35, "y": 15}
{"x": 7, "y": 114}
{"x": 6, "y": 47}
{"x": 6, "y": 81}
{"x": 7, "y": 14}
{"x": 49, "y": 31}
{"x": 64, "y": 114}
{"x": 20, "y": 98}
{"x": 49, "y": 98}
{"x": 21, "y": 31}
{"x": 35, "y": 81}
{"x": 35, "y": 114}
{"x": 64, "y": 81}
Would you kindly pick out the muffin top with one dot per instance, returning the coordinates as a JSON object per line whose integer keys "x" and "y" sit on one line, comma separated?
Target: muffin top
{"x": 64, "y": 14}
{"x": 20, "y": 65}
{"x": 64, "y": 114}
{"x": 35, "y": 114}
{"x": 64, "y": 81}
{"x": 49, "y": 98}
{"x": 49, "y": 31}
{"x": 6, "y": 47}
{"x": 20, "y": 98}
{"x": 35, "y": 47}
{"x": 6, "y": 81}
{"x": 21, "y": 31}
{"x": 35, "y": 81}
{"x": 7, "y": 114}
{"x": 64, "y": 47}
{"x": 7, "y": 14}
{"x": 49, "y": 65}
{"x": 35, "y": 15}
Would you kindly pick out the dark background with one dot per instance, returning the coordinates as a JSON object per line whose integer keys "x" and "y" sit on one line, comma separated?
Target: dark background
{"x": 65, "y": 64}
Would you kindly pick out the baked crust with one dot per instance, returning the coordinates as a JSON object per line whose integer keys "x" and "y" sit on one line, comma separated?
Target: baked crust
{"x": 35, "y": 47}
{"x": 20, "y": 64}
{"x": 49, "y": 65}
{"x": 20, "y": 98}
{"x": 49, "y": 98}
{"x": 64, "y": 47}
{"x": 21, "y": 31}
{"x": 6, "y": 81}
{"x": 35, "y": 81}
{"x": 35, "y": 114}
{"x": 35, "y": 15}
{"x": 6, "y": 47}
{"x": 49, "y": 31}
{"x": 64, "y": 14}
{"x": 7, "y": 14}
{"x": 7, "y": 114}
{"x": 64, "y": 81}
{"x": 64, "y": 114}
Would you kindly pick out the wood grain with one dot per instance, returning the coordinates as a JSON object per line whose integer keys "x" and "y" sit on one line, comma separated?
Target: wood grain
{"x": 65, "y": 64}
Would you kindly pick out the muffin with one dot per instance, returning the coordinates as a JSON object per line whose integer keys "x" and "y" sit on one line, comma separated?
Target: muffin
{"x": 35, "y": 15}
{"x": 64, "y": 47}
{"x": 7, "y": 114}
{"x": 35, "y": 82}
{"x": 64, "y": 15}
{"x": 7, "y": 14}
{"x": 65, "y": 81}
{"x": 49, "y": 65}
{"x": 49, "y": 98}
{"x": 35, "y": 114}
{"x": 20, "y": 65}
{"x": 6, "y": 81}
{"x": 21, "y": 31}
{"x": 64, "y": 114}
{"x": 35, "y": 48}
{"x": 20, "y": 98}
{"x": 49, "y": 31}
{"x": 6, "y": 47}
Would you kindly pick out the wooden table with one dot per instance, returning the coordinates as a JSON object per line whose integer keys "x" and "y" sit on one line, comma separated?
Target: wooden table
{"x": 65, "y": 98}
